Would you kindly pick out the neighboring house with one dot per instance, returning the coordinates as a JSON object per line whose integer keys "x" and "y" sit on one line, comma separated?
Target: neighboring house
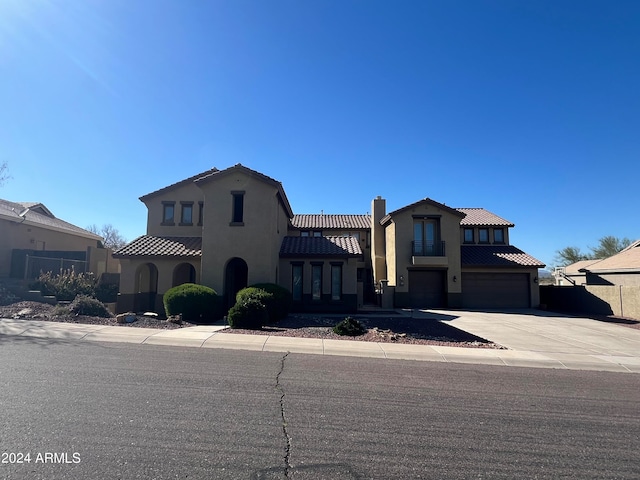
{"x": 232, "y": 228}
{"x": 620, "y": 269}
{"x": 572, "y": 274}
{"x": 33, "y": 239}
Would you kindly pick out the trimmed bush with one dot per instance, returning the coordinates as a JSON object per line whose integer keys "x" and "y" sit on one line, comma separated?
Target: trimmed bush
{"x": 84, "y": 305}
{"x": 196, "y": 303}
{"x": 248, "y": 313}
{"x": 350, "y": 327}
{"x": 280, "y": 306}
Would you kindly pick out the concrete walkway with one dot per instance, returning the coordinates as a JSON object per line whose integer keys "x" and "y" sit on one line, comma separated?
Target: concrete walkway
{"x": 532, "y": 338}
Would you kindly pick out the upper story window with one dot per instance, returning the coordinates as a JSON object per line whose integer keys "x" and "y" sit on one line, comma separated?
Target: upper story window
{"x": 498, "y": 235}
{"x": 468, "y": 235}
{"x": 168, "y": 213}
{"x": 187, "y": 213}
{"x": 426, "y": 236}
{"x": 483, "y": 235}
{"x": 237, "y": 213}
{"x": 309, "y": 233}
{"x": 200, "y": 212}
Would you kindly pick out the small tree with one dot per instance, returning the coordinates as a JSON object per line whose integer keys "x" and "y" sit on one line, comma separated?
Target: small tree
{"x": 110, "y": 234}
{"x": 608, "y": 246}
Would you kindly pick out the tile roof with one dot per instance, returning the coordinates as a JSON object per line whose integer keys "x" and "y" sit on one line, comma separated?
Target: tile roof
{"x": 575, "y": 268}
{"x": 323, "y": 221}
{"x": 22, "y": 212}
{"x": 496, "y": 256}
{"x": 179, "y": 184}
{"x": 628, "y": 260}
{"x": 152, "y": 246}
{"x": 320, "y": 247}
{"x": 479, "y": 217}
{"x": 428, "y": 200}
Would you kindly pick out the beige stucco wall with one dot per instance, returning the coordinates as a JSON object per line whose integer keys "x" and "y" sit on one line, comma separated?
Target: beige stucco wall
{"x": 257, "y": 241}
{"x": 628, "y": 279}
{"x": 399, "y": 235}
{"x": 624, "y": 300}
{"x": 185, "y": 193}
{"x": 27, "y": 236}
{"x": 129, "y": 283}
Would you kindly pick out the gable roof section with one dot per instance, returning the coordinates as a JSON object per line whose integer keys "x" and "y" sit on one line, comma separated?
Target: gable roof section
{"x": 152, "y": 246}
{"x": 320, "y": 247}
{"x": 496, "y": 256}
{"x": 327, "y": 222}
{"x": 36, "y": 214}
{"x": 575, "y": 268}
{"x": 626, "y": 261}
{"x": 253, "y": 173}
{"x": 181, "y": 183}
{"x": 479, "y": 217}
{"x": 427, "y": 200}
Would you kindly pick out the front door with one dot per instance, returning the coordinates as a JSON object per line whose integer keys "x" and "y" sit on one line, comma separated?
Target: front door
{"x": 236, "y": 276}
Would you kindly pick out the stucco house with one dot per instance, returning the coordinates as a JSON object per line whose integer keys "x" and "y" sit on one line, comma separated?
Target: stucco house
{"x": 231, "y": 228}
{"x": 34, "y": 239}
{"x": 620, "y": 269}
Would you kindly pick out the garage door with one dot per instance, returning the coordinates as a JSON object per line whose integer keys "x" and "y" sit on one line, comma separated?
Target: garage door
{"x": 495, "y": 290}
{"x": 426, "y": 288}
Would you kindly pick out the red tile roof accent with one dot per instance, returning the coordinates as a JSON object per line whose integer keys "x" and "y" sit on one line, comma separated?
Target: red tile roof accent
{"x": 496, "y": 256}
{"x": 479, "y": 217}
{"x": 320, "y": 247}
{"x": 151, "y": 246}
{"x": 323, "y": 221}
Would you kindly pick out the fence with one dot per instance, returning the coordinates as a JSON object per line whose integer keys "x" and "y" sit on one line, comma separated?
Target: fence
{"x": 34, "y": 265}
{"x": 619, "y": 300}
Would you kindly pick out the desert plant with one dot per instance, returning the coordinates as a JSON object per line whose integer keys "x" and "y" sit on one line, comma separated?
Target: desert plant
{"x": 196, "y": 303}
{"x": 249, "y": 313}
{"x": 65, "y": 285}
{"x": 85, "y": 305}
{"x": 350, "y": 327}
{"x": 107, "y": 292}
{"x": 60, "y": 311}
{"x": 280, "y": 305}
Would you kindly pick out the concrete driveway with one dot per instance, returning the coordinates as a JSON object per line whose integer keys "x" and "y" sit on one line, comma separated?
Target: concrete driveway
{"x": 546, "y": 332}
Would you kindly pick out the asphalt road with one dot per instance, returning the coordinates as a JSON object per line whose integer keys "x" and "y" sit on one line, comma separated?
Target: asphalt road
{"x": 116, "y": 411}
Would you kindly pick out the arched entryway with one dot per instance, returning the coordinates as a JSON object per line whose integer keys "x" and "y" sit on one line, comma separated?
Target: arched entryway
{"x": 184, "y": 273}
{"x": 235, "y": 279}
{"x": 146, "y": 288}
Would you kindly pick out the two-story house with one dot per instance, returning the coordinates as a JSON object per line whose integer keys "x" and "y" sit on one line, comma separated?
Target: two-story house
{"x": 232, "y": 228}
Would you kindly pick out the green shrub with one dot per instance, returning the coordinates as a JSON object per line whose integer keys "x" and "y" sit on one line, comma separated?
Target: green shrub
{"x": 280, "y": 306}
{"x": 60, "y": 311}
{"x": 107, "y": 292}
{"x": 196, "y": 303}
{"x": 65, "y": 285}
{"x": 349, "y": 326}
{"x": 84, "y": 305}
{"x": 248, "y": 313}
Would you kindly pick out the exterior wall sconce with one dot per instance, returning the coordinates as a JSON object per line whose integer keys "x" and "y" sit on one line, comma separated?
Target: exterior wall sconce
{"x": 455, "y": 279}
{"x": 401, "y": 280}
{"x": 535, "y": 279}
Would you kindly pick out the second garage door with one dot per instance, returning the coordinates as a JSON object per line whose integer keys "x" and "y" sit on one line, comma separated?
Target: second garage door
{"x": 495, "y": 290}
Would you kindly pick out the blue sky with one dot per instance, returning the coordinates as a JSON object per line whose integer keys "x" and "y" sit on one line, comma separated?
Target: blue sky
{"x": 528, "y": 109}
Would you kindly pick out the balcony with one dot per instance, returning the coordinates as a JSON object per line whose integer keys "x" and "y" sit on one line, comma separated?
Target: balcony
{"x": 429, "y": 254}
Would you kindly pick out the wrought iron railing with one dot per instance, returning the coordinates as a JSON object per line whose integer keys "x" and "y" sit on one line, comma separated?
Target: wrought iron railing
{"x": 421, "y": 249}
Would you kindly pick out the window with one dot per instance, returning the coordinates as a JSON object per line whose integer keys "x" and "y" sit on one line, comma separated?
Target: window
{"x": 296, "y": 281}
{"x": 317, "y": 233}
{"x": 468, "y": 235}
{"x": 304, "y": 233}
{"x": 168, "y": 211}
{"x": 483, "y": 235}
{"x": 237, "y": 214}
{"x": 200, "y": 212}
{"x": 187, "y": 213}
{"x": 316, "y": 282}
{"x": 336, "y": 281}
{"x": 425, "y": 236}
{"x": 498, "y": 235}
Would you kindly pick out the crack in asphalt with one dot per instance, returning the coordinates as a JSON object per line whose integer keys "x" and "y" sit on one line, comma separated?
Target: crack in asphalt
{"x": 285, "y": 430}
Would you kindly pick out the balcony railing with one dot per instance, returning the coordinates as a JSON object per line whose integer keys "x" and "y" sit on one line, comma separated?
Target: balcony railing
{"x": 421, "y": 249}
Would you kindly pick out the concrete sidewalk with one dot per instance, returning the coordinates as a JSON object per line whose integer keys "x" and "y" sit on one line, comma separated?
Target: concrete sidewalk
{"x": 210, "y": 337}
